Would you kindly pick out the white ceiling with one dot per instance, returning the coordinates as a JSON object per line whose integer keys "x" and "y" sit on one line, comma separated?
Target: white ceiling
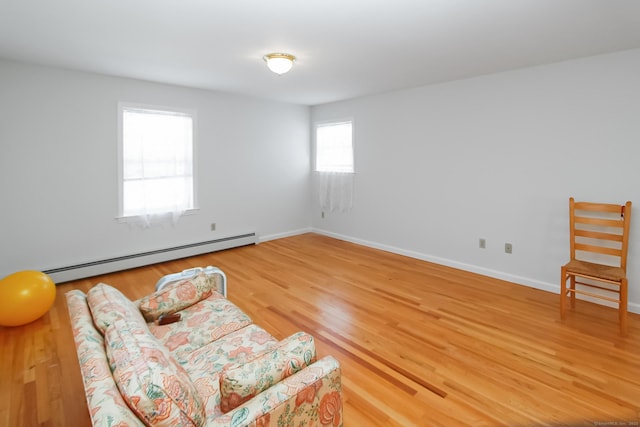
{"x": 345, "y": 48}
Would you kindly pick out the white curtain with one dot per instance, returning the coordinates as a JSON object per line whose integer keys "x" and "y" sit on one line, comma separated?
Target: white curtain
{"x": 336, "y": 191}
{"x": 145, "y": 195}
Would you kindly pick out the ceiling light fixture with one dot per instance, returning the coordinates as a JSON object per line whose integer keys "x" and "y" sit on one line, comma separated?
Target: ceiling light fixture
{"x": 279, "y": 63}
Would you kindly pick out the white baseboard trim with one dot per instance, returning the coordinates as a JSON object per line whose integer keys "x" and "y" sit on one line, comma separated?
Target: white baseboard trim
{"x": 520, "y": 280}
{"x": 283, "y": 235}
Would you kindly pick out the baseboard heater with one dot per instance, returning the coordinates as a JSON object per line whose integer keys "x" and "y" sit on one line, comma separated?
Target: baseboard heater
{"x": 110, "y": 265}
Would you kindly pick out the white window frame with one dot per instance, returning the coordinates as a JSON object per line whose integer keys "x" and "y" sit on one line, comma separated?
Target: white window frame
{"x": 122, "y": 106}
{"x": 315, "y": 144}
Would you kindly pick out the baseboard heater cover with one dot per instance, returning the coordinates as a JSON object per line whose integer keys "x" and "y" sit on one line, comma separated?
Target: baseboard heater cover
{"x": 110, "y": 265}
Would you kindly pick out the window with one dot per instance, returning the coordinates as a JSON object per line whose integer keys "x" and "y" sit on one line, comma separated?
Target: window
{"x": 334, "y": 164}
{"x": 156, "y": 162}
{"x": 334, "y": 147}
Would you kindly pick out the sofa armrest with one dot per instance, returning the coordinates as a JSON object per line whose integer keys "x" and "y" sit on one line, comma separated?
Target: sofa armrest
{"x": 312, "y": 396}
{"x": 180, "y": 294}
{"x": 218, "y": 276}
{"x": 105, "y": 403}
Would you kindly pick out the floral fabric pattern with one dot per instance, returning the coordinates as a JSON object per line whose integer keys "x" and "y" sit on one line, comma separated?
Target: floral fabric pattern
{"x": 239, "y": 384}
{"x": 103, "y": 396}
{"x": 178, "y": 296}
{"x": 280, "y": 404}
{"x": 230, "y": 351}
{"x": 330, "y": 409}
{"x": 156, "y": 388}
{"x": 108, "y": 304}
{"x": 187, "y": 362}
{"x": 200, "y": 324}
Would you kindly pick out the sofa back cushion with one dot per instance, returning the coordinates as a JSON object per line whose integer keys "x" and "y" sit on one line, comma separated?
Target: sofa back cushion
{"x": 239, "y": 384}
{"x": 155, "y": 387}
{"x": 177, "y": 296}
{"x": 108, "y": 304}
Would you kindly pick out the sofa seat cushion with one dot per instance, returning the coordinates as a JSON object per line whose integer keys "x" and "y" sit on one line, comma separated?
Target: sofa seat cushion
{"x": 156, "y": 388}
{"x": 178, "y": 296}
{"x": 232, "y": 350}
{"x": 199, "y": 325}
{"x": 205, "y": 364}
{"x": 241, "y": 383}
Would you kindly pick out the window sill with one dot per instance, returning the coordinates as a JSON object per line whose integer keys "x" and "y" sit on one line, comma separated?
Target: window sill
{"x": 136, "y": 218}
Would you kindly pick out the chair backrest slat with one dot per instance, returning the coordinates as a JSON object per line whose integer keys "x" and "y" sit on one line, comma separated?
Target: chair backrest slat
{"x": 600, "y": 228}
{"x": 604, "y": 222}
{"x": 598, "y": 249}
{"x": 598, "y": 207}
{"x": 599, "y": 235}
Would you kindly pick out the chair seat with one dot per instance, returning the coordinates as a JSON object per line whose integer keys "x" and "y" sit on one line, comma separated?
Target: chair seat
{"x": 600, "y": 271}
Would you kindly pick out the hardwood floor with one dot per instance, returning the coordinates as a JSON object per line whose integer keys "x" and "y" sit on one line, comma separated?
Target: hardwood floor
{"x": 419, "y": 344}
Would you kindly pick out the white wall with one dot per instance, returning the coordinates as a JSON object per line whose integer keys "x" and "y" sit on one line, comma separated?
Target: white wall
{"x": 496, "y": 157}
{"x": 437, "y": 167}
{"x": 58, "y": 165}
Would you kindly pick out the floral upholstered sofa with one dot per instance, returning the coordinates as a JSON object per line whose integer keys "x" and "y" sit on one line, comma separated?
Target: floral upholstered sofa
{"x": 186, "y": 356}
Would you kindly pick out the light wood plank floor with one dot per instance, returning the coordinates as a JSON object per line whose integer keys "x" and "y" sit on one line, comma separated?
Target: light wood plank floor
{"x": 420, "y": 344}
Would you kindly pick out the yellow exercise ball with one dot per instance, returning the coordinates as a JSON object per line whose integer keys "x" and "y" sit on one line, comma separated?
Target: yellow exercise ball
{"x": 24, "y": 297}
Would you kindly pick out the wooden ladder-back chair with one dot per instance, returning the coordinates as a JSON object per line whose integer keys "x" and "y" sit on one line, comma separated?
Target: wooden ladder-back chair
{"x": 600, "y": 237}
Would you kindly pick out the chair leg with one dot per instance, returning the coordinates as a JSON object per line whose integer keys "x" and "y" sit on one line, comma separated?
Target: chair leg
{"x": 623, "y": 307}
{"x": 573, "y": 294}
{"x": 563, "y": 291}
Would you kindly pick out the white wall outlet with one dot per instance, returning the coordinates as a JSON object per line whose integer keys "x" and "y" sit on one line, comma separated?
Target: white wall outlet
{"x": 213, "y": 226}
{"x": 482, "y": 243}
{"x": 322, "y": 214}
{"x": 508, "y": 248}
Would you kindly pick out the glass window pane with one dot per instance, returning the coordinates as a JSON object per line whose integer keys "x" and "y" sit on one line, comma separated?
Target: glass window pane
{"x": 334, "y": 147}
{"x": 157, "y": 161}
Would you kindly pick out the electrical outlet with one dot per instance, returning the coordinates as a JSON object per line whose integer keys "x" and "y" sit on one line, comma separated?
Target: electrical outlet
{"x": 482, "y": 243}
{"x": 508, "y": 248}
{"x": 213, "y": 226}
{"x": 322, "y": 215}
